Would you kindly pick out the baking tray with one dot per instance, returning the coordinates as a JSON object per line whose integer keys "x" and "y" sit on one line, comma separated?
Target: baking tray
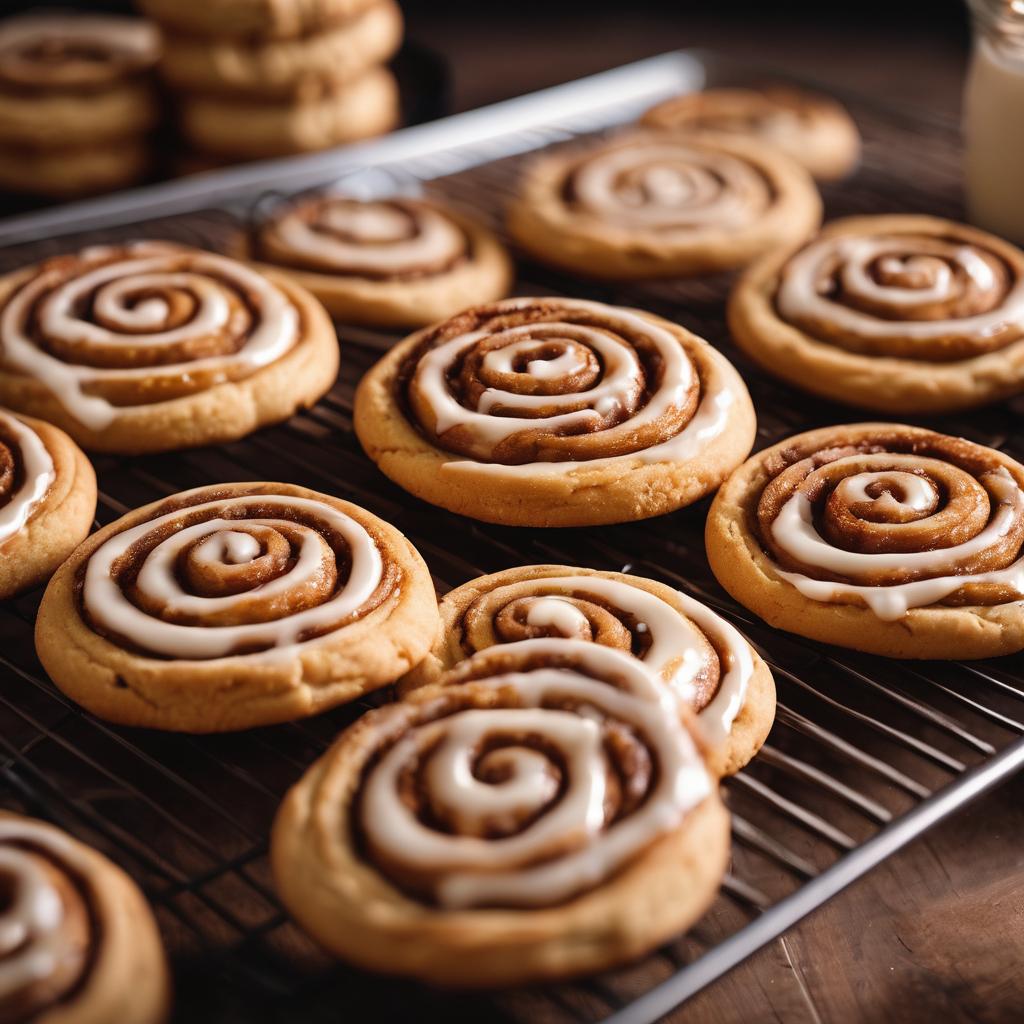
{"x": 865, "y": 754}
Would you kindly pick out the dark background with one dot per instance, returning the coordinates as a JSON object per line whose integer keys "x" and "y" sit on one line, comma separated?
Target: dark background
{"x": 911, "y": 50}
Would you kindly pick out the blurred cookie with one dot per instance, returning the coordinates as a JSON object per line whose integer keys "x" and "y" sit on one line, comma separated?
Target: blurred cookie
{"x": 395, "y": 262}
{"x": 255, "y": 129}
{"x": 304, "y": 68}
{"x": 812, "y": 129}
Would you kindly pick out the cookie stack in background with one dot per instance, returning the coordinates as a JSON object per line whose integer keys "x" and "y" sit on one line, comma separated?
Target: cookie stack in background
{"x": 77, "y": 103}
{"x": 253, "y": 80}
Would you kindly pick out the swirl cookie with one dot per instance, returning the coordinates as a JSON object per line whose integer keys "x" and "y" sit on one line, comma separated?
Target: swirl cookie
{"x": 150, "y": 346}
{"x": 652, "y": 204}
{"x": 227, "y": 607}
{"x": 898, "y": 313}
{"x": 76, "y": 102}
{"x": 78, "y": 943}
{"x": 47, "y": 501}
{"x": 275, "y": 19}
{"x": 387, "y": 263}
{"x": 300, "y": 69}
{"x": 75, "y": 80}
{"x": 880, "y": 537}
{"x": 537, "y": 822}
{"x": 812, "y": 129}
{"x": 704, "y": 661}
{"x": 256, "y": 128}
{"x": 555, "y": 412}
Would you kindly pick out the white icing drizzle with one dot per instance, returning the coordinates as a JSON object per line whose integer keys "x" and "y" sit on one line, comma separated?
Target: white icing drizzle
{"x": 621, "y": 376}
{"x": 621, "y": 373}
{"x": 229, "y": 546}
{"x": 502, "y": 360}
{"x": 38, "y": 473}
{"x": 379, "y": 237}
{"x": 567, "y": 849}
{"x": 795, "y": 533}
{"x": 108, "y": 606}
{"x": 663, "y": 185}
{"x": 916, "y": 493}
{"x": 918, "y": 271}
{"x": 675, "y": 652}
{"x": 708, "y": 422}
{"x": 145, "y": 266}
{"x": 556, "y": 613}
{"x": 32, "y": 945}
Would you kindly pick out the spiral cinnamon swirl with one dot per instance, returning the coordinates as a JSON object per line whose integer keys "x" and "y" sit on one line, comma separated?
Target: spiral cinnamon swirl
{"x": 812, "y": 129}
{"x": 151, "y": 346}
{"x": 880, "y": 537}
{"x": 78, "y": 943}
{"x": 225, "y": 607}
{"x": 896, "y": 313}
{"x": 706, "y": 663}
{"x": 47, "y": 500}
{"x": 659, "y": 204}
{"x": 555, "y": 412}
{"x": 395, "y": 262}
{"x": 539, "y": 821}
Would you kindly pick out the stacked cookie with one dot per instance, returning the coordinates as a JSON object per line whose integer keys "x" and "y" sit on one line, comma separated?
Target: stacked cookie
{"x": 255, "y": 80}
{"x": 77, "y": 103}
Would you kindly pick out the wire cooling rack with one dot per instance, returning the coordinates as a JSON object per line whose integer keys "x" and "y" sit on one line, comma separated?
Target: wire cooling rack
{"x": 865, "y": 753}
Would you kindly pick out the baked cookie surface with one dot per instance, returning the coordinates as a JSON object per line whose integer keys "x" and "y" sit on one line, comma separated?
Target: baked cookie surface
{"x": 258, "y": 128}
{"x": 812, "y": 129}
{"x": 555, "y": 412}
{"x": 88, "y": 950}
{"x": 300, "y": 69}
{"x": 152, "y": 346}
{"x": 77, "y": 102}
{"x": 232, "y": 606}
{"x": 395, "y": 262}
{"x": 280, "y": 19}
{"x": 661, "y": 204}
{"x": 880, "y": 537}
{"x": 397, "y": 856}
{"x": 47, "y": 500}
{"x": 897, "y": 313}
{"x": 703, "y": 660}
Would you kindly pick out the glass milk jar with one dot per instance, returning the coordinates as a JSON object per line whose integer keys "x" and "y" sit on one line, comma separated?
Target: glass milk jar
{"x": 994, "y": 119}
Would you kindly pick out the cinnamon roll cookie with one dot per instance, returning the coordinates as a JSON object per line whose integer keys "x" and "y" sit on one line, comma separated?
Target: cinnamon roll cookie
{"x": 555, "y": 412}
{"x": 227, "y": 607}
{"x": 388, "y": 262}
{"x": 74, "y": 88}
{"x": 276, "y": 19}
{"x": 656, "y": 204}
{"x": 256, "y": 128}
{"x": 47, "y": 500}
{"x": 78, "y": 943}
{"x": 812, "y": 129}
{"x": 884, "y": 538}
{"x": 706, "y": 663}
{"x": 151, "y": 346}
{"x": 540, "y": 821}
{"x": 896, "y": 313}
{"x": 299, "y": 68}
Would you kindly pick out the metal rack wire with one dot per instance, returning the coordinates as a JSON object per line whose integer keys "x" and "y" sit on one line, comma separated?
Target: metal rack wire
{"x": 865, "y": 753}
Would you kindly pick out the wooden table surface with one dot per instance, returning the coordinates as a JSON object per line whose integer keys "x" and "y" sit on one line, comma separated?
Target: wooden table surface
{"x": 937, "y": 932}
